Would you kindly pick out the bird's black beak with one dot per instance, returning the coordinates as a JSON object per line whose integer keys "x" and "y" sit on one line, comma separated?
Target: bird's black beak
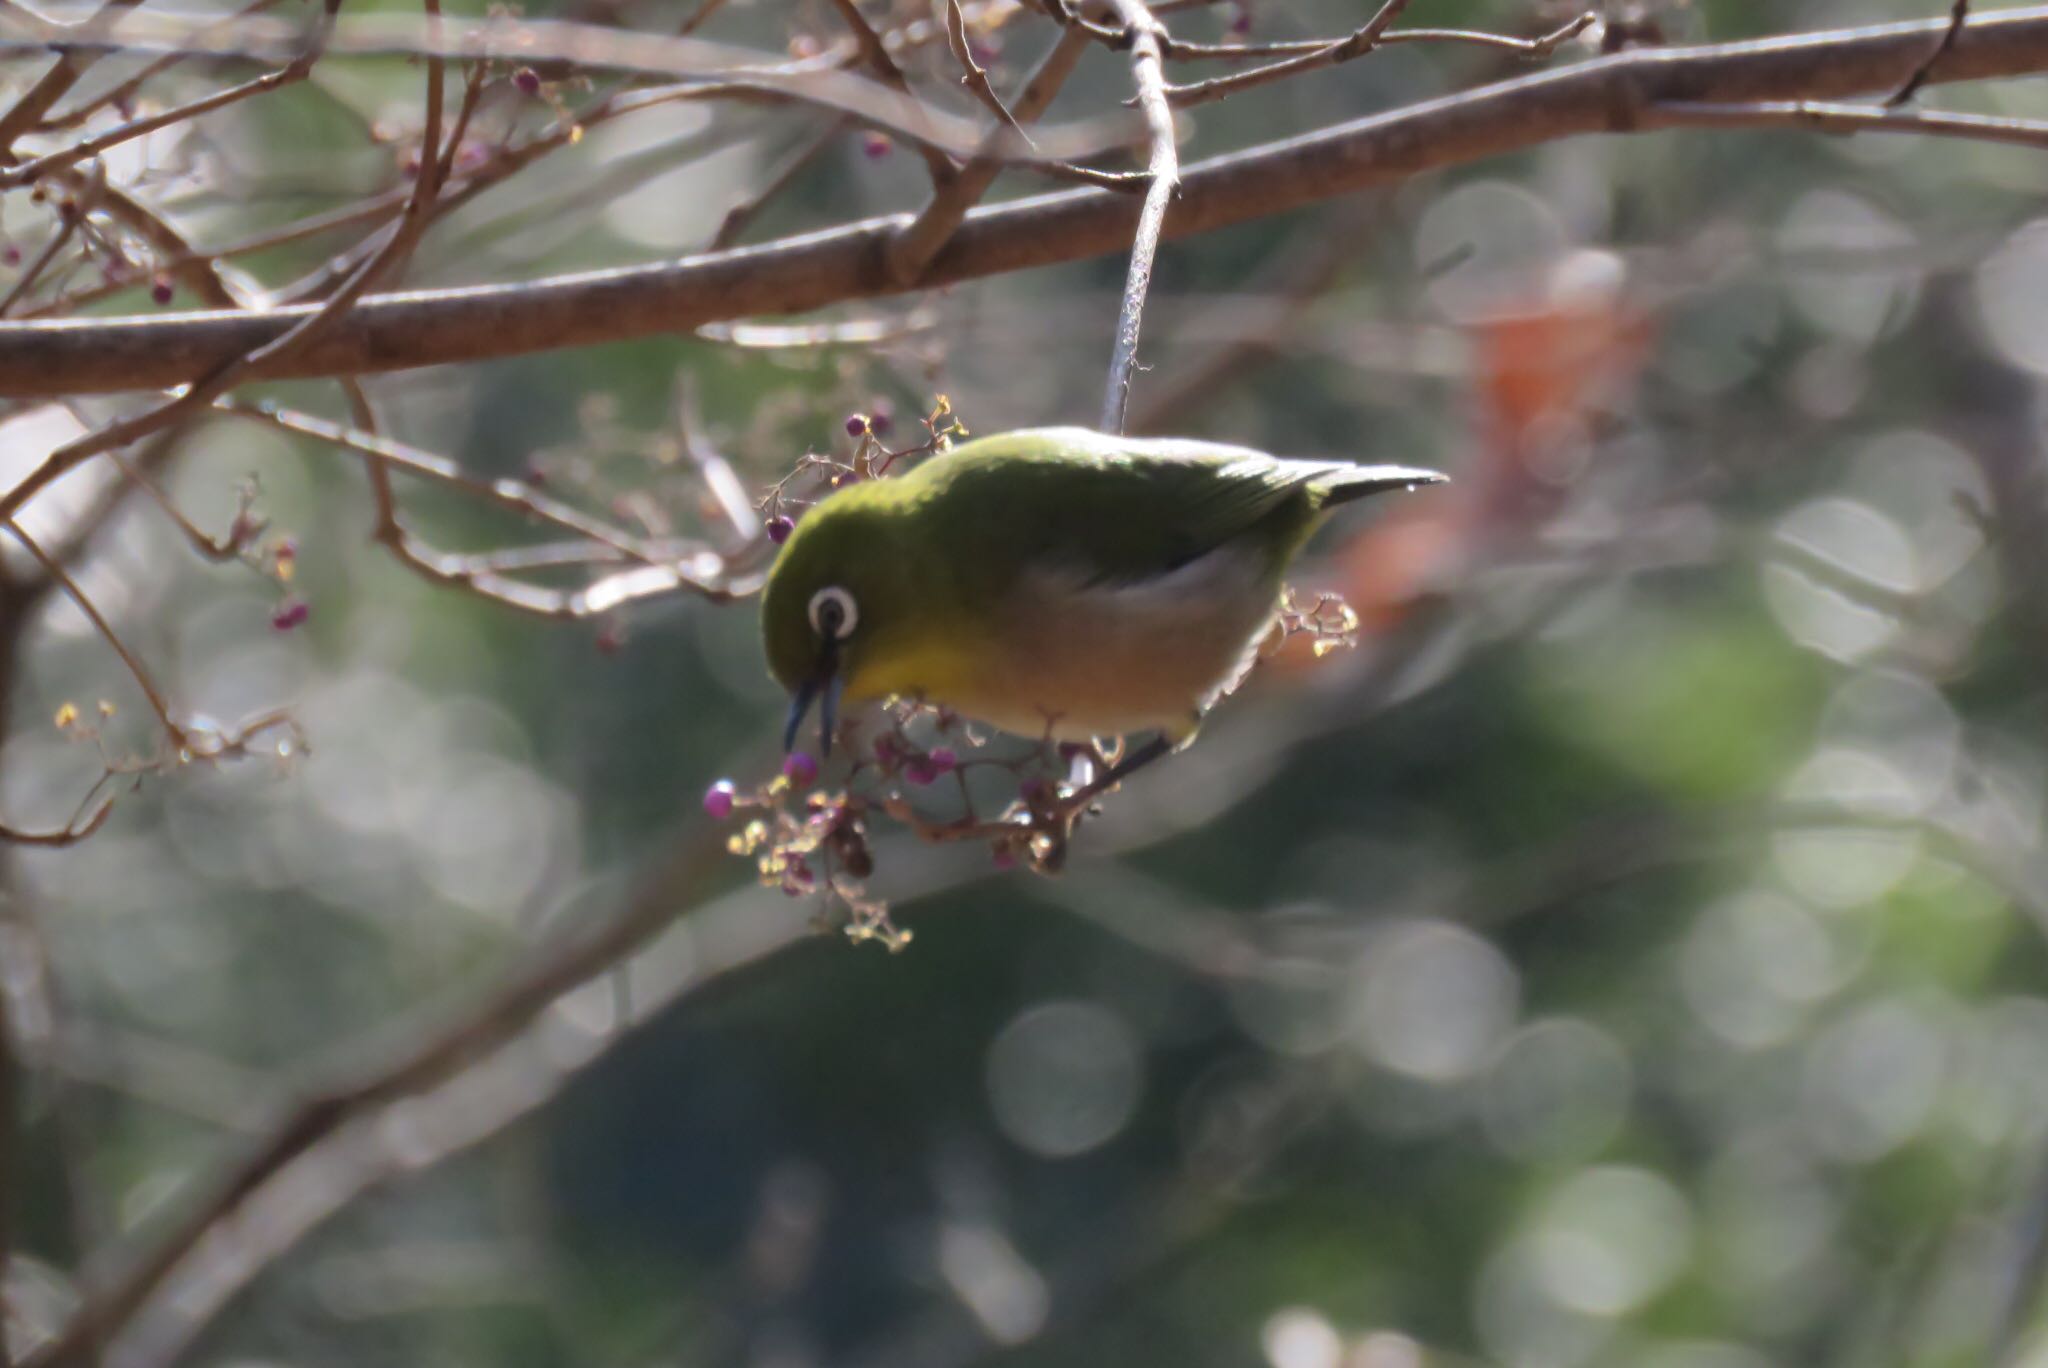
{"x": 822, "y": 688}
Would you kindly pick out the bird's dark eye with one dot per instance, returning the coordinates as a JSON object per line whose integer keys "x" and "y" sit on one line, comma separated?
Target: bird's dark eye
{"x": 833, "y": 613}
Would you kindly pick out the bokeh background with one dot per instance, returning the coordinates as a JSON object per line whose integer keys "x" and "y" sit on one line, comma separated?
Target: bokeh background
{"x": 1630, "y": 955}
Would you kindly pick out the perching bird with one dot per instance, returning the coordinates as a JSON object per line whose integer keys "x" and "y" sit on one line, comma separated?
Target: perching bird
{"x": 1050, "y": 580}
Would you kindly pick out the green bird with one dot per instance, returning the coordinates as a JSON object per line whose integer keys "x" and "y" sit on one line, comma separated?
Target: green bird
{"x": 1050, "y": 581}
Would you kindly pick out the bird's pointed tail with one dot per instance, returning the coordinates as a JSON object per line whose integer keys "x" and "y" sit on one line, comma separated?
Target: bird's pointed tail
{"x": 1345, "y": 483}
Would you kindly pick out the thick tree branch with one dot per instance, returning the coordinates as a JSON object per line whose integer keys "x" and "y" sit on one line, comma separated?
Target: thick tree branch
{"x": 1607, "y": 95}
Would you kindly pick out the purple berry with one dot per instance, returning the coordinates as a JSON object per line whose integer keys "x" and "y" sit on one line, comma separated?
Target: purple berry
{"x": 881, "y": 420}
{"x": 856, "y": 424}
{"x": 800, "y": 768}
{"x": 875, "y": 146}
{"x": 161, "y": 290}
{"x": 291, "y": 613}
{"x": 943, "y": 759}
{"x": 920, "y": 770}
{"x": 528, "y": 81}
{"x": 718, "y": 800}
{"x": 779, "y": 529}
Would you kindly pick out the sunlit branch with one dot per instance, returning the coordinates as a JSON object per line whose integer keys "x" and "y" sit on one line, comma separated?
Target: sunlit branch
{"x": 1366, "y": 39}
{"x": 1610, "y": 94}
{"x": 1849, "y": 118}
{"x": 1163, "y": 167}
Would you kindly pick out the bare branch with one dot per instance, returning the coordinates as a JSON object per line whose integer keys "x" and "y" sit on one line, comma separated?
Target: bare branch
{"x": 200, "y": 274}
{"x": 69, "y": 216}
{"x": 657, "y": 569}
{"x": 876, "y": 54}
{"x": 140, "y": 672}
{"x": 1367, "y": 39}
{"x": 913, "y": 248}
{"x": 1149, "y": 72}
{"x": 127, "y": 89}
{"x": 972, "y": 74}
{"x": 61, "y": 75}
{"x": 27, "y": 172}
{"x": 1611, "y": 94}
{"x": 87, "y": 821}
{"x": 727, "y": 72}
{"x": 1851, "y": 118}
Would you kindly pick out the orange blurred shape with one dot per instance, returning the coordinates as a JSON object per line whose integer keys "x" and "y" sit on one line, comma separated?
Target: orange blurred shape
{"x": 1541, "y": 368}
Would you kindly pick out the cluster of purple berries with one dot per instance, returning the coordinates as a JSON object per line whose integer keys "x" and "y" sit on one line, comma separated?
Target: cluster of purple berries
{"x": 895, "y": 756}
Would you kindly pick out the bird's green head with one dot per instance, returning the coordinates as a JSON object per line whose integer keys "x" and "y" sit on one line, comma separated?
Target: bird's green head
{"x": 841, "y": 592}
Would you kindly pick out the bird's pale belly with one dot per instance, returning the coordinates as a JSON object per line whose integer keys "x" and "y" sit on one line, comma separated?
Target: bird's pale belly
{"x": 1080, "y": 660}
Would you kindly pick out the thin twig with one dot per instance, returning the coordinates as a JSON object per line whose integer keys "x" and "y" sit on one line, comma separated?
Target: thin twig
{"x": 876, "y": 54}
{"x": 1307, "y": 266}
{"x": 1148, "y": 72}
{"x": 973, "y": 76}
{"x": 68, "y": 220}
{"x": 665, "y": 568}
{"x": 512, "y": 495}
{"x": 1958, "y": 15}
{"x": 912, "y": 248}
{"x": 83, "y": 601}
{"x": 197, "y": 273}
{"x": 1368, "y": 39}
{"x": 726, "y": 73}
{"x": 1851, "y": 118}
{"x": 83, "y": 824}
{"x": 697, "y": 17}
{"x": 388, "y": 532}
{"x": 1184, "y": 50}
{"x": 56, "y": 79}
{"x": 780, "y": 179}
{"x": 127, "y": 90}
{"x": 24, "y": 173}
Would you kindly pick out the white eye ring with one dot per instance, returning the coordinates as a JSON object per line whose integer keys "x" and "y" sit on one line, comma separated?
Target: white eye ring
{"x": 834, "y": 614}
